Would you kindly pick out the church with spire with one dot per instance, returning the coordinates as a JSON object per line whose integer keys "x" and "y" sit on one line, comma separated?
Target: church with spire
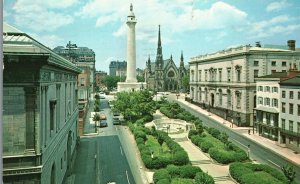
{"x": 164, "y": 75}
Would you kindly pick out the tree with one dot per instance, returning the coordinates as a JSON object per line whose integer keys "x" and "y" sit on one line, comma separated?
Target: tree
{"x": 140, "y": 78}
{"x": 111, "y": 81}
{"x": 160, "y": 139}
{"x": 289, "y": 172}
{"x": 186, "y": 82}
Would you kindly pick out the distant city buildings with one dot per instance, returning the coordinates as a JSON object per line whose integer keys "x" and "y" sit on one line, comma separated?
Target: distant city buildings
{"x": 224, "y": 82}
{"x": 99, "y": 79}
{"x": 84, "y": 58}
{"x": 40, "y": 111}
{"x": 163, "y": 75}
{"x": 117, "y": 68}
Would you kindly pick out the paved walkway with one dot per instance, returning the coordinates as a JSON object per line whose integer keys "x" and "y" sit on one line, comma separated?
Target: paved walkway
{"x": 220, "y": 173}
{"x": 267, "y": 143}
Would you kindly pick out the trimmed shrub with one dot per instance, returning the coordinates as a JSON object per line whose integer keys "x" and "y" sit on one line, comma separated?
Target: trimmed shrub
{"x": 164, "y": 181}
{"x": 140, "y": 141}
{"x": 173, "y": 170}
{"x": 203, "y": 178}
{"x": 249, "y": 173}
{"x": 161, "y": 174}
{"x": 214, "y": 132}
{"x": 205, "y": 145}
{"x": 189, "y": 171}
{"x": 180, "y": 158}
{"x": 192, "y": 133}
{"x": 140, "y": 134}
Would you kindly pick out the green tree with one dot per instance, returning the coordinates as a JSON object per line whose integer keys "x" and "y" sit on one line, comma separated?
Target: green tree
{"x": 140, "y": 78}
{"x": 289, "y": 172}
{"x": 111, "y": 81}
{"x": 186, "y": 82}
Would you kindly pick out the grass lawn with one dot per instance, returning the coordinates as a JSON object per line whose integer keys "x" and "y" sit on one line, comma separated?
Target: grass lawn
{"x": 158, "y": 150}
{"x": 182, "y": 181}
{"x": 260, "y": 177}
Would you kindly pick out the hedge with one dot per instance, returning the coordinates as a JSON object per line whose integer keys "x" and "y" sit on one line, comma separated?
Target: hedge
{"x": 184, "y": 172}
{"x": 248, "y": 173}
{"x": 179, "y": 156}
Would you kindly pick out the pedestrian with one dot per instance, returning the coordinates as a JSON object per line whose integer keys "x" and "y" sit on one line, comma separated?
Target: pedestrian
{"x": 249, "y": 132}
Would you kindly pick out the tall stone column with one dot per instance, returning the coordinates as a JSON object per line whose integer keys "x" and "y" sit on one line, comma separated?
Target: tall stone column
{"x": 131, "y": 55}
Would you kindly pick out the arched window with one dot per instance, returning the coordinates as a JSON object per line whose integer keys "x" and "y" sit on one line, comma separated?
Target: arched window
{"x": 171, "y": 74}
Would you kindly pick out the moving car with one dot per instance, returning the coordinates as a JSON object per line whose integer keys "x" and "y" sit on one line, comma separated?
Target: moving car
{"x": 102, "y": 117}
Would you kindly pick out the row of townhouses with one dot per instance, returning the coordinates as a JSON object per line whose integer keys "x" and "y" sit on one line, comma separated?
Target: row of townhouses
{"x": 224, "y": 81}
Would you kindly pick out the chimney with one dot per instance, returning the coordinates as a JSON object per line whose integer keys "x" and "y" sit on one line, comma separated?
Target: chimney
{"x": 291, "y": 44}
{"x": 257, "y": 44}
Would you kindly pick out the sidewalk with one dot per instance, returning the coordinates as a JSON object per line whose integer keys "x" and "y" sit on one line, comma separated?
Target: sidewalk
{"x": 269, "y": 144}
{"x": 89, "y": 126}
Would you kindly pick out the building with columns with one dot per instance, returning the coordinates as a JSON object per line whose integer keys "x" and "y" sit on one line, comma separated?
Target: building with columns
{"x": 40, "y": 111}
{"x": 164, "y": 75}
{"x": 224, "y": 82}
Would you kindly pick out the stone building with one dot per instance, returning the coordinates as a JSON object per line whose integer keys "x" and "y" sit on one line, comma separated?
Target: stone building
{"x": 289, "y": 126}
{"x": 164, "y": 75}
{"x": 224, "y": 81}
{"x": 117, "y": 68}
{"x": 268, "y": 103}
{"x": 40, "y": 111}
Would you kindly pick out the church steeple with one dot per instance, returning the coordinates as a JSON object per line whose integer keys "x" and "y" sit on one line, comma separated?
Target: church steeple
{"x": 159, "y": 57}
{"x": 181, "y": 60}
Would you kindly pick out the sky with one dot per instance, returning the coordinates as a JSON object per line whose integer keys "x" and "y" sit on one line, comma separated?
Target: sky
{"x": 195, "y": 27}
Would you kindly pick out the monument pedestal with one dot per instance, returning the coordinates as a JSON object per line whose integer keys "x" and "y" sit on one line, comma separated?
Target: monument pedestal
{"x": 131, "y": 86}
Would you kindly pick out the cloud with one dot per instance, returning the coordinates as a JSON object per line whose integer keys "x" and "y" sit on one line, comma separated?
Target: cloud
{"x": 42, "y": 15}
{"x": 276, "y": 25}
{"x": 276, "y": 6}
{"x": 50, "y": 41}
{"x": 174, "y": 18}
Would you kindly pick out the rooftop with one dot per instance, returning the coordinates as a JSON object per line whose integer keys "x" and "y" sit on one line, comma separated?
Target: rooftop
{"x": 294, "y": 81}
{"x": 280, "y": 75}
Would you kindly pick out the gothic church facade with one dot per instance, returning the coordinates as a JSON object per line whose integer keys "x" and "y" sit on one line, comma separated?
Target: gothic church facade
{"x": 164, "y": 75}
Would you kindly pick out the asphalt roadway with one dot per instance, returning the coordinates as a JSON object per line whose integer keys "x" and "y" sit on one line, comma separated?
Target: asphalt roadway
{"x": 101, "y": 158}
{"x": 257, "y": 152}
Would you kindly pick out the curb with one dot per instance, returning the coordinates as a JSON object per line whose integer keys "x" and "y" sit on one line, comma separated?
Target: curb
{"x": 252, "y": 140}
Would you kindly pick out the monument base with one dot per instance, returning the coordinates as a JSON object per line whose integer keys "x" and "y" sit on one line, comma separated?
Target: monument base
{"x": 131, "y": 86}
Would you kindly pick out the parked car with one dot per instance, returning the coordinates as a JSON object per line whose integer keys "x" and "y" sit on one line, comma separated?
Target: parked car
{"x": 103, "y": 123}
{"x": 116, "y": 121}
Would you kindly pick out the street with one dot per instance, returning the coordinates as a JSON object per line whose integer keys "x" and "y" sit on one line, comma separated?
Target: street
{"x": 101, "y": 158}
{"x": 257, "y": 151}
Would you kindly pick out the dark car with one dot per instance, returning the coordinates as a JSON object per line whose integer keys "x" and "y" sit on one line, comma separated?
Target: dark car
{"x": 103, "y": 123}
{"x": 116, "y": 121}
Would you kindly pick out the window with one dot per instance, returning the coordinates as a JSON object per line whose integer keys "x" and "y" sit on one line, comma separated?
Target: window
{"x": 283, "y": 124}
{"x": 273, "y": 63}
{"x": 256, "y": 73}
{"x": 273, "y": 71}
{"x": 199, "y": 75}
{"x": 220, "y": 75}
{"x": 228, "y": 99}
{"x": 268, "y": 118}
{"x": 220, "y": 98}
{"x": 298, "y": 127}
{"x": 299, "y": 95}
{"x": 192, "y": 76}
{"x": 298, "y": 109}
{"x": 291, "y": 108}
{"x": 283, "y": 107}
{"x": 238, "y": 100}
{"x": 283, "y": 63}
{"x": 291, "y": 94}
{"x": 275, "y": 89}
{"x": 261, "y": 88}
{"x": 260, "y": 100}
{"x": 238, "y": 75}
{"x": 283, "y": 94}
{"x": 274, "y": 102}
{"x": 256, "y": 63}
{"x": 81, "y": 81}
{"x": 267, "y": 101}
{"x": 205, "y": 75}
{"x": 291, "y": 125}
{"x": 267, "y": 89}
{"x": 228, "y": 75}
